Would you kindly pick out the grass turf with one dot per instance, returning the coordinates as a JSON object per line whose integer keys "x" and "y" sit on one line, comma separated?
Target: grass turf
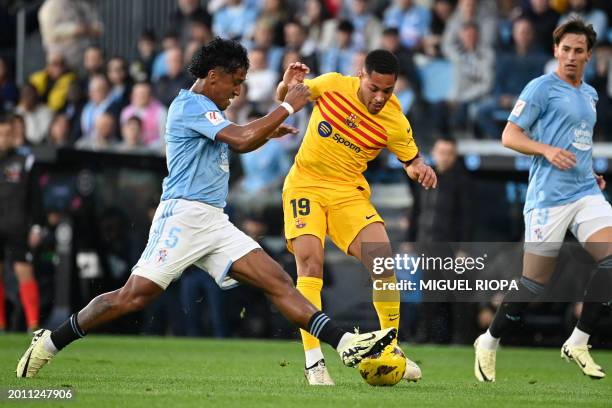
{"x": 108, "y": 371}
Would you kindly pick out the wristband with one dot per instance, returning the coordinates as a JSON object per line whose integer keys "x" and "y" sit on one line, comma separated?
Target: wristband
{"x": 288, "y": 107}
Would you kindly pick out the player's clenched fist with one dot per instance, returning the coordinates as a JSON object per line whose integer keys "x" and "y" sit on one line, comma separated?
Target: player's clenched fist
{"x": 298, "y": 96}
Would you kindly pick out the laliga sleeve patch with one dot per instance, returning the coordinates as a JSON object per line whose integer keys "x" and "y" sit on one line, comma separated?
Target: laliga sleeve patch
{"x": 518, "y": 108}
{"x": 214, "y": 117}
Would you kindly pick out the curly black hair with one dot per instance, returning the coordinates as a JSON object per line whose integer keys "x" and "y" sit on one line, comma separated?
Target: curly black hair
{"x": 226, "y": 54}
{"x": 383, "y": 62}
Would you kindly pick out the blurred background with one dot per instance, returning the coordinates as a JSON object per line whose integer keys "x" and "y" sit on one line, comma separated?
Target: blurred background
{"x": 87, "y": 85}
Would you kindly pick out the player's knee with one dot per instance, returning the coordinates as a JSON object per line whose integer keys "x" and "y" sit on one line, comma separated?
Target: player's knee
{"x": 130, "y": 301}
{"x": 311, "y": 266}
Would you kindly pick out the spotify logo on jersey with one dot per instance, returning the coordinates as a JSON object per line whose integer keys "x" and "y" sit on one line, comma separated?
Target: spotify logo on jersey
{"x": 324, "y": 128}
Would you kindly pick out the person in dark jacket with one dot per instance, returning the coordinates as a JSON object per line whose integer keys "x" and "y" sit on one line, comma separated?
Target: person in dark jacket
{"x": 13, "y": 225}
{"x": 439, "y": 217}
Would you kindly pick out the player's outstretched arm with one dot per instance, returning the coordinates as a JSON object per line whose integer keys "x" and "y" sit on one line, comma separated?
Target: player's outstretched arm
{"x": 248, "y": 137}
{"x": 514, "y": 138}
{"x": 420, "y": 172}
{"x": 295, "y": 74}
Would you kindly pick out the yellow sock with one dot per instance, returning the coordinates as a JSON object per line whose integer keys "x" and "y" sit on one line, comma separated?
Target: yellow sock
{"x": 311, "y": 289}
{"x": 387, "y": 304}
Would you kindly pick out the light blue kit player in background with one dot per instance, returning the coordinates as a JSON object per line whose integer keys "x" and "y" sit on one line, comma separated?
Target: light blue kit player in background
{"x": 553, "y": 121}
{"x": 190, "y": 227}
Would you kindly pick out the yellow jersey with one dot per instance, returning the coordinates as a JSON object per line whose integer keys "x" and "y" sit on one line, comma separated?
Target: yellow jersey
{"x": 342, "y": 136}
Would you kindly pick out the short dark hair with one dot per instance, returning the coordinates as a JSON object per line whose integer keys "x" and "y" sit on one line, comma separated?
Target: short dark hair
{"x": 447, "y": 139}
{"x": 576, "y": 26}
{"x": 382, "y": 61}
{"x": 226, "y": 54}
{"x": 135, "y": 119}
{"x": 391, "y": 31}
{"x": 346, "y": 26}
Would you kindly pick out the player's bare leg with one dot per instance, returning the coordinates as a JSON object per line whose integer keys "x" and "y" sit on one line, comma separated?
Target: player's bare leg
{"x": 387, "y": 302}
{"x": 537, "y": 271}
{"x": 258, "y": 269}
{"x": 309, "y": 258}
{"x": 133, "y": 296}
{"x": 576, "y": 347}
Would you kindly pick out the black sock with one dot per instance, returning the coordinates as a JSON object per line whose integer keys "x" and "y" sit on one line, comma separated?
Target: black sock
{"x": 67, "y": 332}
{"x": 597, "y": 296}
{"x": 510, "y": 312}
{"x": 322, "y": 327}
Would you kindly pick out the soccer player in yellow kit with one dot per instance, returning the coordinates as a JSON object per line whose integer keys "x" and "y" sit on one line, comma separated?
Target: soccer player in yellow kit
{"x": 325, "y": 192}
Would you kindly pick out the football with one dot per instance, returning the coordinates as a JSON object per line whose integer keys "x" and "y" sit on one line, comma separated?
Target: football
{"x": 385, "y": 368}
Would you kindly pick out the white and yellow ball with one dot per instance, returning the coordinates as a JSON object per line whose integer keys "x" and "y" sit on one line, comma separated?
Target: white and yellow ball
{"x": 385, "y": 368}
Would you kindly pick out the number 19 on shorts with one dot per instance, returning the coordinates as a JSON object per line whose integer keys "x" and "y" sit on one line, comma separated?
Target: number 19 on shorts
{"x": 301, "y": 206}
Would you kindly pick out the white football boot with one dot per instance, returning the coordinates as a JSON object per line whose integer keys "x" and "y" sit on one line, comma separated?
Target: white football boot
{"x": 35, "y": 356}
{"x": 318, "y": 374}
{"x": 581, "y": 356}
{"x": 484, "y": 363}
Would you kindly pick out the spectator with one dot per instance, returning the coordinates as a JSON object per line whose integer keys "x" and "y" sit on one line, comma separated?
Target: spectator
{"x": 93, "y": 64}
{"x": 150, "y": 111}
{"x": 273, "y": 14}
{"x": 339, "y": 57}
{"x": 53, "y": 82}
{"x": 188, "y": 13}
{"x": 100, "y": 101}
{"x": 295, "y": 39}
{"x": 411, "y": 20}
{"x": 263, "y": 38}
{"x": 234, "y": 20}
{"x": 131, "y": 137}
{"x": 544, "y": 20}
{"x": 121, "y": 86}
{"x": 159, "y": 69}
{"x": 467, "y": 11}
{"x": 391, "y": 42}
{"x": 9, "y": 94}
{"x": 142, "y": 67}
{"x": 37, "y": 116}
{"x": 473, "y": 64}
{"x": 19, "y": 131}
{"x": 261, "y": 81}
{"x": 513, "y": 71}
{"x": 59, "y": 131}
{"x": 441, "y": 12}
{"x": 68, "y": 27}
{"x": 583, "y": 9}
{"x": 405, "y": 93}
{"x": 440, "y": 216}
{"x": 169, "y": 85}
{"x": 321, "y": 28}
{"x": 75, "y": 102}
{"x": 103, "y": 135}
{"x": 602, "y": 82}
{"x": 368, "y": 29}
{"x": 14, "y": 219}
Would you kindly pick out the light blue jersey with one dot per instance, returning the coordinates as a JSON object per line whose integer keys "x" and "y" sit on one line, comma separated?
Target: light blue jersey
{"x": 553, "y": 112}
{"x": 198, "y": 165}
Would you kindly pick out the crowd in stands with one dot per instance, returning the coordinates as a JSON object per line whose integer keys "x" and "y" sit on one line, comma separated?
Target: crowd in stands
{"x": 463, "y": 62}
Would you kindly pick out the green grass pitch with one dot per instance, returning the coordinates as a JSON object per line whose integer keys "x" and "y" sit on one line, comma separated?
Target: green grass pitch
{"x": 108, "y": 371}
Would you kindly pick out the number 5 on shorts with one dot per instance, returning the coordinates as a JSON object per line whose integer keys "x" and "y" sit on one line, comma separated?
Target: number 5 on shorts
{"x": 300, "y": 206}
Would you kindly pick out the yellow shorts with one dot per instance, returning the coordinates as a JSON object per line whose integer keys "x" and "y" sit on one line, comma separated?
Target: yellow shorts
{"x": 340, "y": 213}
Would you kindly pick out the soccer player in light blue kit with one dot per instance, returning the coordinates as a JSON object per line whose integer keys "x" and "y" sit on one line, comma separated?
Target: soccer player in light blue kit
{"x": 553, "y": 120}
{"x": 190, "y": 226}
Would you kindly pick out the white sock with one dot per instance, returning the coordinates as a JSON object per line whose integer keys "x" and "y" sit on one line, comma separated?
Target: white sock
{"x": 345, "y": 339}
{"x": 313, "y": 356}
{"x": 487, "y": 341}
{"x": 578, "y": 338}
{"x": 49, "y": 346}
